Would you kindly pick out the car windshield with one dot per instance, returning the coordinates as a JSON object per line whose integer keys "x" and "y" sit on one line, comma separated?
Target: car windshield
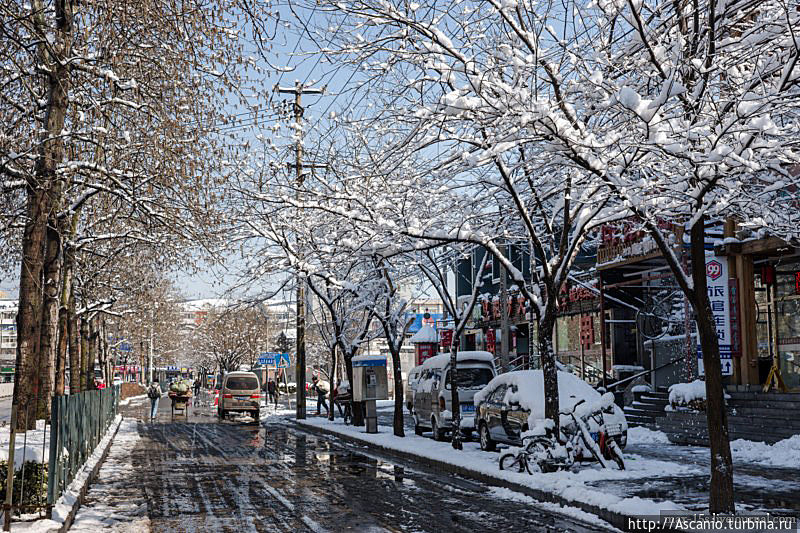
{"x": 241, "y": 383}
{"x": 471, "y": 378}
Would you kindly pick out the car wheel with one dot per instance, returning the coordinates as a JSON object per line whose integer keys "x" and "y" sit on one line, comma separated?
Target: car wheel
{"x": 487, "y": 444}
{"x": 438, "y": 434}
{"x": 257, "y": 417}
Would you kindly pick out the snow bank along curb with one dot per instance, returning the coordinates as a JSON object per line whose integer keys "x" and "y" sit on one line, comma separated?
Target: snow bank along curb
{"x": 6, "y": 390}
{"x": 67, "y": 506}
{"x": 619, "y": 520}
{"x": 130, "y": 399}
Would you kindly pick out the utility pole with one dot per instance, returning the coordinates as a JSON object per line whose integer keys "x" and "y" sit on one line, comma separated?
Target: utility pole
{"x": 300, "y": 365}
{"x": 505, "y": 331}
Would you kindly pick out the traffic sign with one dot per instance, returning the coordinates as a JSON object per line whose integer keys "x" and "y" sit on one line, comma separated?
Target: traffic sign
{"x": 280, "y": 360}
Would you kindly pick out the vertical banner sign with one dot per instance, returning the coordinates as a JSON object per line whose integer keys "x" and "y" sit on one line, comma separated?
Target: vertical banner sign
{"x": 718, "y": 294}
{"x": 447, "y": 337}
{"x": 735, "y": 317}
{"x": 490, "y": 340}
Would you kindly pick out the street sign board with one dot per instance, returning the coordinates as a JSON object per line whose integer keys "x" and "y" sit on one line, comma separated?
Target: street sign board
{"x": 284, "y": 360}
{"x": 280, "y": 360}
{"x": 718, "y": 294}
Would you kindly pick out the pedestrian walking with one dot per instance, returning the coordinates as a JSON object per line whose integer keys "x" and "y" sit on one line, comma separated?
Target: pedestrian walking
{"x": 154, "y": 393}
{"x": 196, "y": 391}
{"x": 272, "y": 390}
{"x": 321, "y": 390}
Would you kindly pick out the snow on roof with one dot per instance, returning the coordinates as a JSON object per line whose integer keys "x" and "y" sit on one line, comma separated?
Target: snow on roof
{"x": 425, "y": 334}
{"x": 373, "y": 357}
{"x": 205, "y": 304}
{"x": 443, "y": 359}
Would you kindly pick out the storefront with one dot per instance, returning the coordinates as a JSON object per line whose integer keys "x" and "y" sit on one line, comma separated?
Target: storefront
{"x": 777, "y": 296}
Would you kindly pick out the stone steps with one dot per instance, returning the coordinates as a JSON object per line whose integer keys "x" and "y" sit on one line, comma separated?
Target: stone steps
{"x": 646, "y": 408}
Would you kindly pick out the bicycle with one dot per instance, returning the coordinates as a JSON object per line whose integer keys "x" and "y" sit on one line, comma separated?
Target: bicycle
{"x": 551, "y": 454}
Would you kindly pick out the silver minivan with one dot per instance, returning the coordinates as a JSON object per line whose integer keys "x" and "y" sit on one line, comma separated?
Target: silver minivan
{"x": 433, "y": 396}
{"x": 411, "y": 386}
{"x": 240, "y": 393}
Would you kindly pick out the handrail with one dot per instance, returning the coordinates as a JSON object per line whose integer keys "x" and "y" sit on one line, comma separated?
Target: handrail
{"x": 631, "y": 378}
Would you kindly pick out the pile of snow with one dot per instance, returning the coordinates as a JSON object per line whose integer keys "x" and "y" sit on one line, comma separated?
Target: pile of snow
{"x": 33, "y": 445}
{"x": 683, "y": 393}
{"x": 126, "y": 401}
{"x": 785, "y": 453}
{"x": 643, "y": 435}
{"x": 689, "y": 394}
{"x": 627, "y": 368}
{"x": 642, "y": 388}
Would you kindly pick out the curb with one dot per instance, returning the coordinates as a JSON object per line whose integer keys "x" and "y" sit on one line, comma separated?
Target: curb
{"x": 89, "y": 480}
{"x": 618, "y": 520}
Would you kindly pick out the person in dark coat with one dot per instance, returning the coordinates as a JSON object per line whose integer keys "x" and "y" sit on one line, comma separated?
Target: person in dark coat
{"x": 272, "y": 391}
{"x": 321, "y": 392}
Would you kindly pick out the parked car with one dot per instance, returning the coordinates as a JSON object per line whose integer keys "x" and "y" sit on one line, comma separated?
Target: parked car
{"x": 240, "y": 393}
{"x": 433, "y": 395}
{"x": 411, "y": 387}
{"x": 506, "y": 406}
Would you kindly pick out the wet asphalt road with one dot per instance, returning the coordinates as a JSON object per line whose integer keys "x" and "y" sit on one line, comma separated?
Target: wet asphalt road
{"x": 204, "y": 475}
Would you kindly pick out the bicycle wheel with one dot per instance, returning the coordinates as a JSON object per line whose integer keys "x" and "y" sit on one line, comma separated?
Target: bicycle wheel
{"x": 513, "y": 462}
{"x": 616, "y": 454}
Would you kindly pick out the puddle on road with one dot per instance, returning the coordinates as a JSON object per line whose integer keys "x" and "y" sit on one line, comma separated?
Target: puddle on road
{"x": 203, "y": 475}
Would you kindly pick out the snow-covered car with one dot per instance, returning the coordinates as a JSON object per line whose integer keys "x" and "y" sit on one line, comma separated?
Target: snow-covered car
{"x": 433, "y": 395}
{"x": 512, "y": 403}
{"x": 411, "y": 387}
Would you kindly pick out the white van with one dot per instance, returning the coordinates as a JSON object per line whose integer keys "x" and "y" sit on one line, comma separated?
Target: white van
{"x": 411, "y": 387}
{"x": 432, "y": 395}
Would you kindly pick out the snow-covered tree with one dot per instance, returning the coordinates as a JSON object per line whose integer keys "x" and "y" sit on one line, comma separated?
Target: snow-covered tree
{"x": 122, "y": 101}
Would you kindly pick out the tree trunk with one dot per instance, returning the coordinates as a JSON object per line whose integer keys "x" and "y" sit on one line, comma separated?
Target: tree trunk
{"x": 73, "y": 334}
{"x": 397, "y": 422}
{"x": 455, "y": 404}
{"x": 84, "y": 354}
{"x": 49, "y": 314}
{"x": 721, "y": 498}
{"x": 61, "y": 351}
{"x": 332, "y": 386}
{"x": 27, "y": 385}
{"x": 30, "y": 299}
{"x": 545, "y": 329}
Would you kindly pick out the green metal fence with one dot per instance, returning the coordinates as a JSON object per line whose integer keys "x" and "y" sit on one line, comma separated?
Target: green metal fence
{"x": 78, "y": 423}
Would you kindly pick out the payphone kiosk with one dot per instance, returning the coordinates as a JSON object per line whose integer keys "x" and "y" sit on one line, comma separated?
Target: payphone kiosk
{"x": 371, "y": 383}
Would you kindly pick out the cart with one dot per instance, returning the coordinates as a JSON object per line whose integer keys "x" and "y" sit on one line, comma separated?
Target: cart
{"x": 180, "y": 402}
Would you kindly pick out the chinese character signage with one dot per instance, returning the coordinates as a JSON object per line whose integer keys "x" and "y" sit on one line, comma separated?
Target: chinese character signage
{"x": 447, "y": 337}
{"x": 490, "y": 340}
{"x": 719, "y": 297}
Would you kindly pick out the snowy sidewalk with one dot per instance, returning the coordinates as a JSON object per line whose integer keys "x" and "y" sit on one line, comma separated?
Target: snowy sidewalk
{"x": 651, "y": 484}
{"x": 115, "y": 502}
